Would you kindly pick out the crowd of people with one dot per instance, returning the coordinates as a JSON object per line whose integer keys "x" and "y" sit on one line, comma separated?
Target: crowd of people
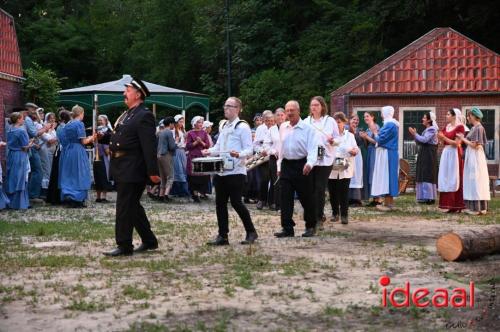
{"x": 298, "y": 158}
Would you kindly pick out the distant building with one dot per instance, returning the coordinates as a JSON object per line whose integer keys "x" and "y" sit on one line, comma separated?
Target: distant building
{"x": 11, "y": 74}
{"x": 441, "y": 70}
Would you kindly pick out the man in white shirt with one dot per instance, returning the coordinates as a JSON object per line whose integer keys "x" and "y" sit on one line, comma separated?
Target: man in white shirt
{"x": 266, "y": 144}
{"x": 297, "y": 157}
{"x": 234, "y": 145}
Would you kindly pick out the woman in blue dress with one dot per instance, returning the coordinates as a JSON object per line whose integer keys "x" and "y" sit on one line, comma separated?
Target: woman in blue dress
{"x": 74, "y": 176}
{"x": 18, "y": 169}
{"x": 369, "y": 160}
{"x": 386, "y": 170}
{"x": 180, "y": 185}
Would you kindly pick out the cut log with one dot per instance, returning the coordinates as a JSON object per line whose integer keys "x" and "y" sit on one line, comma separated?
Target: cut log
{"x": 460, "y": 245}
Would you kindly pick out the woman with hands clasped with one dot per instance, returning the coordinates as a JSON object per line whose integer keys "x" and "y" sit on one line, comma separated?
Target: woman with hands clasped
{"x": 338, "y": 183}
{"x": 476, "y": 178}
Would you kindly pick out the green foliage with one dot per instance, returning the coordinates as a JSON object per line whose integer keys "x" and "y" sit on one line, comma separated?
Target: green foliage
{"x": 280, "y": 49}
{"x": 41, "y": 86}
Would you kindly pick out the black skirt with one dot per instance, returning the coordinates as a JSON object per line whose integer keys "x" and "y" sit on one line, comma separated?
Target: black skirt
{"x": 198, "y": 183}
{"x": 101, "y": 181}
{"x": 427, "y": 163}
{"x": 53, "y": 191}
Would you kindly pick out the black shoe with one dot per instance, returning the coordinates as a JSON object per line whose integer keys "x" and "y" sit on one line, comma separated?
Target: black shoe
{"x": 145, "y": 247}
{"x": 250, "y": 238}
{"x": 344, "y": 220}
{"x": 204, "y": 196}
{"x": 260, "y": 205}
{"x": 166, "y": 199}
{"x": 309, "y": 232}
{"x": 196, "y": 199}
{"x": 219, "y": 241}
{"x": 151, "y": 195}
{"x": 98, "y": 200}
{"x": 246, "y": 200}
{"x": 119, "y": 252}
{"x": 284, "y": 233}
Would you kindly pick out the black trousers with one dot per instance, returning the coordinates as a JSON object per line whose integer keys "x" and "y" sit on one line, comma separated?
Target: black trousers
{"x": 130, "y": 214}
{"x": 231, "y": 187}
{"x": 320, "y": 180}
{"x": 339, "y": 196}
{"x": 274, "y": 189}
{"x": 264, "y": 182}
{"x": 292, "y": 180}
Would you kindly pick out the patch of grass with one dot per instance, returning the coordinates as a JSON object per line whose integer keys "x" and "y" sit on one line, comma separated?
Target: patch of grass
{"x": 136, "y": 293}
{"x": 49, "y": 261}
{"x": 92, "y": 306}
{"x": 81, "y": 230}
{"x": 418, "y": 253}
{"x": 298, "y": 266}
{"x": 332, "y": 311}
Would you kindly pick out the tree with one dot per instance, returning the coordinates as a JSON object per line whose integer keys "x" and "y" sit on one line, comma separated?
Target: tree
{"x": 41, "y": 87}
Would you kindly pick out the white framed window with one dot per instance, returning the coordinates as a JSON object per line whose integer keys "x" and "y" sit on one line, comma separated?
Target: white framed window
{"x": 410, "y": 117}
{"x": 491, "y": 124}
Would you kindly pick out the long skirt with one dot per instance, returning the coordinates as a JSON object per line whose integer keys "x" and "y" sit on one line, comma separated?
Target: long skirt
{"x": 4, "y": 200}
{"x": 450, "y": 179}
{"x": 53, "y": 192}
{"x": 380, "y": 184}
{"x": 180, "y": 185}
{"x": 356, "y": 184}
{"x": 426, "y": 177}
{"x": 476, "y": 180}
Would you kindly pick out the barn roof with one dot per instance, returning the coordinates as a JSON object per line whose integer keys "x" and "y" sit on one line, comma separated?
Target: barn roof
{"x": 441, "y": 61}
{"x": 10, "y": 58}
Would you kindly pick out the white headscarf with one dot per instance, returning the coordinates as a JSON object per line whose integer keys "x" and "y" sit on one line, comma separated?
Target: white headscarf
{"x": 196, "y": 119}
{"x": 387, "y": 115}
{"x": 178, "y": 117}
{"x": 207, "y": 124}
{"x": 460, "y": 119}
{"x": 433, "y": 119}
{"x": 105, "y": 117}
{"x": 47, "y": 117}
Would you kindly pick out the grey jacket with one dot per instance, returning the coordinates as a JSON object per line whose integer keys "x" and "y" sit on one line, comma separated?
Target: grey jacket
{"x": 166, "y": 142}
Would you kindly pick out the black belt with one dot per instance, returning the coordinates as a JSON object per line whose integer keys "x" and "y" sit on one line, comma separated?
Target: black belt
{"x": 118, "y": 154}
{"x": 296, "y": 161}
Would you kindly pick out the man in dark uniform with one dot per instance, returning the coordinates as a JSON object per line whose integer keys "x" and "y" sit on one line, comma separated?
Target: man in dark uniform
{"x": 133, "y": 164}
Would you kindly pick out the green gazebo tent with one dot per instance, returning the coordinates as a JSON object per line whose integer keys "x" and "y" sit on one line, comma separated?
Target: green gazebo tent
{"x": 110, "y": 94}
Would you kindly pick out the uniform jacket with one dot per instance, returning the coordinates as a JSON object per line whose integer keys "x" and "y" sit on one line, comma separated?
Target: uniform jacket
{"x": 133, "y": 146}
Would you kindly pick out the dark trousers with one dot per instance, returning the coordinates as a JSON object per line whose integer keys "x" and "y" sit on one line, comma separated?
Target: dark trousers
{"x": 320, "y": 180}
{"x": 130, "y": 214}
{"x": 274, "y": 189}
{"x": 339, "y": 196}
{"x": 231, "y": 187}
{"x": 264, "y": 182}
{"x": 292, "y": 180}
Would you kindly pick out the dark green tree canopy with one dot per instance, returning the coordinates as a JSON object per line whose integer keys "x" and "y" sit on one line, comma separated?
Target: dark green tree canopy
{"x": 280, "y": 49}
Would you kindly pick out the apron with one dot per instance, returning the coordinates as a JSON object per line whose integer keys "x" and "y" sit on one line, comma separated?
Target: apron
{"x": 449, "y": 174}
{"x": 380, "y": 182}
{"x": 476, "y": 178}
{"x": 357, "y": 179}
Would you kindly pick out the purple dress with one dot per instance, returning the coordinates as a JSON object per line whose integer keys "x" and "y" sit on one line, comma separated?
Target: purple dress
{"x": 196, "y": 182}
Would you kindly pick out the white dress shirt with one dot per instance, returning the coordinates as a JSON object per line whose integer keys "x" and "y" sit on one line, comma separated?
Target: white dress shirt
{"x": 346, "y": 142}
{"x": 267, "y": 139}
{"x": 238, "y": 139}
{"x": 298, "y": 142}
{"x": 324, "y": 125}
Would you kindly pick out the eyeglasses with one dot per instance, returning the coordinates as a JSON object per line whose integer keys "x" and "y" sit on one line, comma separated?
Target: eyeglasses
{"x": 230, "y": 106}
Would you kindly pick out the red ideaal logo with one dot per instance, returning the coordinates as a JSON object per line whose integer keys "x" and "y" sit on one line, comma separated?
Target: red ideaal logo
{"x": 439, "y": 297}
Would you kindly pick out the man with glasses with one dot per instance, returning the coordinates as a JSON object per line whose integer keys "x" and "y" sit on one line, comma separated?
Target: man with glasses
{"x": 234, "y": 145}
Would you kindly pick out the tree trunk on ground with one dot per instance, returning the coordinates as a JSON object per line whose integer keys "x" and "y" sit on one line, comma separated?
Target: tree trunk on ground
{"x": 460, "y": 245}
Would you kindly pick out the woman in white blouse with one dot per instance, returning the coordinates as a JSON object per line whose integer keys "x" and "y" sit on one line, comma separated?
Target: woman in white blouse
{"x": 338, "y": 183}
{"x": 326, "y": 130}
{"x": 47, "y": 149}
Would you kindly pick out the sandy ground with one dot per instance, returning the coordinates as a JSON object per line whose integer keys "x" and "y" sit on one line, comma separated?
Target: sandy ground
{"x": 329, "y": 282}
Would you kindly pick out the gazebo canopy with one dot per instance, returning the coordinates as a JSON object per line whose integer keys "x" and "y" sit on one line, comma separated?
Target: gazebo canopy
{"x": 110, "y": 94}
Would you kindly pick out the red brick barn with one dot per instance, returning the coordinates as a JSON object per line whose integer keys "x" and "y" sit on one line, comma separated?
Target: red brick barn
{"x": 10, "y": 69}
{"x": 440, "y": 70}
